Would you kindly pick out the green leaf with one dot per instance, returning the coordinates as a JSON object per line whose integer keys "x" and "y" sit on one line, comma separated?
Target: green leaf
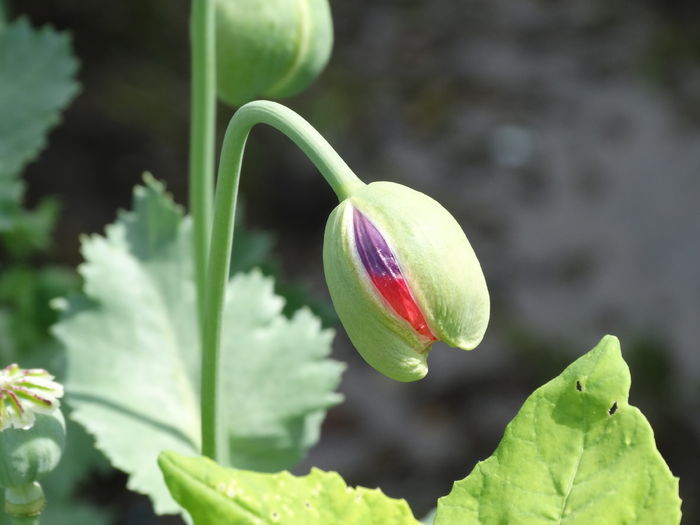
{"x": 576, "y": 453}
{"x": 31, "y": 229}
{"x": 213, "y": 495}
{"x": 37, "y": 79}
{"x": 134, "y": 363}
{"x": 26, "y": 292}
{"x": 254, "y": 249}
{"x": 251, "y": 249}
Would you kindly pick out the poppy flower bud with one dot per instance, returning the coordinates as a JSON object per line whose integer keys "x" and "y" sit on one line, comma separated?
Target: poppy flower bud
{"x": 274, "y": 48}
{"x": 402, "y": 275}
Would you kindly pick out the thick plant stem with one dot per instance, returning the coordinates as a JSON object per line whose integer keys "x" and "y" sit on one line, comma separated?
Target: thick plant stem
{"x": 334, "y": 170}
{"x": 25, "y": 503}
{"x": 202, "y": 131}
{"x": 29, "y": 520}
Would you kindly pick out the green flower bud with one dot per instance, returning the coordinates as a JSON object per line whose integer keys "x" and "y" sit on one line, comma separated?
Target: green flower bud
{"x": 33, "y": 428}
{"x": 402, "y": 275}
{"x": 273, "y": 48}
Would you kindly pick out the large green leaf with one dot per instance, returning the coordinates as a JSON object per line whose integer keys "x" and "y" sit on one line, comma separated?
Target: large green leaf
{"x": 37, "y": 79}
{"x": 134, "y": 363}
{"x": 214, "y": 495}
{"x": 576, "y": 453}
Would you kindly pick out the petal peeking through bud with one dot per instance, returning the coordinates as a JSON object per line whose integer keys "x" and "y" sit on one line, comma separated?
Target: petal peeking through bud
{"x": 402, "y": 275}
{"x": 385, "y": 273}
{"x": 25, "y": 393}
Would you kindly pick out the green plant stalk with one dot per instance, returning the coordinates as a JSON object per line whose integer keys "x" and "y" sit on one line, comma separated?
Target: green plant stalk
{"x": 25, "y": 503}
{"x": 202, "y": 136}
{"x": 30, "y": 520}
{"x": 341, "y": 179}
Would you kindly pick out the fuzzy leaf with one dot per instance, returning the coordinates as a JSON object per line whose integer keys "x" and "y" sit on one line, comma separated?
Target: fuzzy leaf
{"x": 37, "y": 79}
{"x": 213, "y": 495}
{"x": 577, "y": 453}
{"x": 134, "y": 363}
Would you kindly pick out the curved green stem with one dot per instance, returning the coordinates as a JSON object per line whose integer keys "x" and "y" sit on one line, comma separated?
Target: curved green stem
{"x": 202, "y": 131}
{"x": 343, "y": 181}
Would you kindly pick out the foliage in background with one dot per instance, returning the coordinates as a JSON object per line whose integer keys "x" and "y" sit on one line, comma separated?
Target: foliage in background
{"x": 134, "y": 363}
{"x": 255, "y": 249}
{"x": 37, "y": 81}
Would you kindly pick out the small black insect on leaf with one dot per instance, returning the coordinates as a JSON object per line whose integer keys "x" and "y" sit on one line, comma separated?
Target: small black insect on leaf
{"x": 578, "y": 386}
{"x": 613, "y": 408}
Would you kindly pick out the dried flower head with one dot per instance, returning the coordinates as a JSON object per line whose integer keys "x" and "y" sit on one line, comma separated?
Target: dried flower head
{"x": 25, "y": 393}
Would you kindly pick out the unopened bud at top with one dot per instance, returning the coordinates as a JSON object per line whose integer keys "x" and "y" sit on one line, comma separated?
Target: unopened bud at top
{"x": 270, "y": 48}
{"x": 402, "y": 275}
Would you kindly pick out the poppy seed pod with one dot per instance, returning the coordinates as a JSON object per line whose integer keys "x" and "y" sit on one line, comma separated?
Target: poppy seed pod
{"x": 32, "y": 429}
{"x": 274, "y": 48}
{"x": 402, "y": 275}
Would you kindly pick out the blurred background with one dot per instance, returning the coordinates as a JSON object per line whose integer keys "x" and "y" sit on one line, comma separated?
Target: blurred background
{"x": 565, "y": 138}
